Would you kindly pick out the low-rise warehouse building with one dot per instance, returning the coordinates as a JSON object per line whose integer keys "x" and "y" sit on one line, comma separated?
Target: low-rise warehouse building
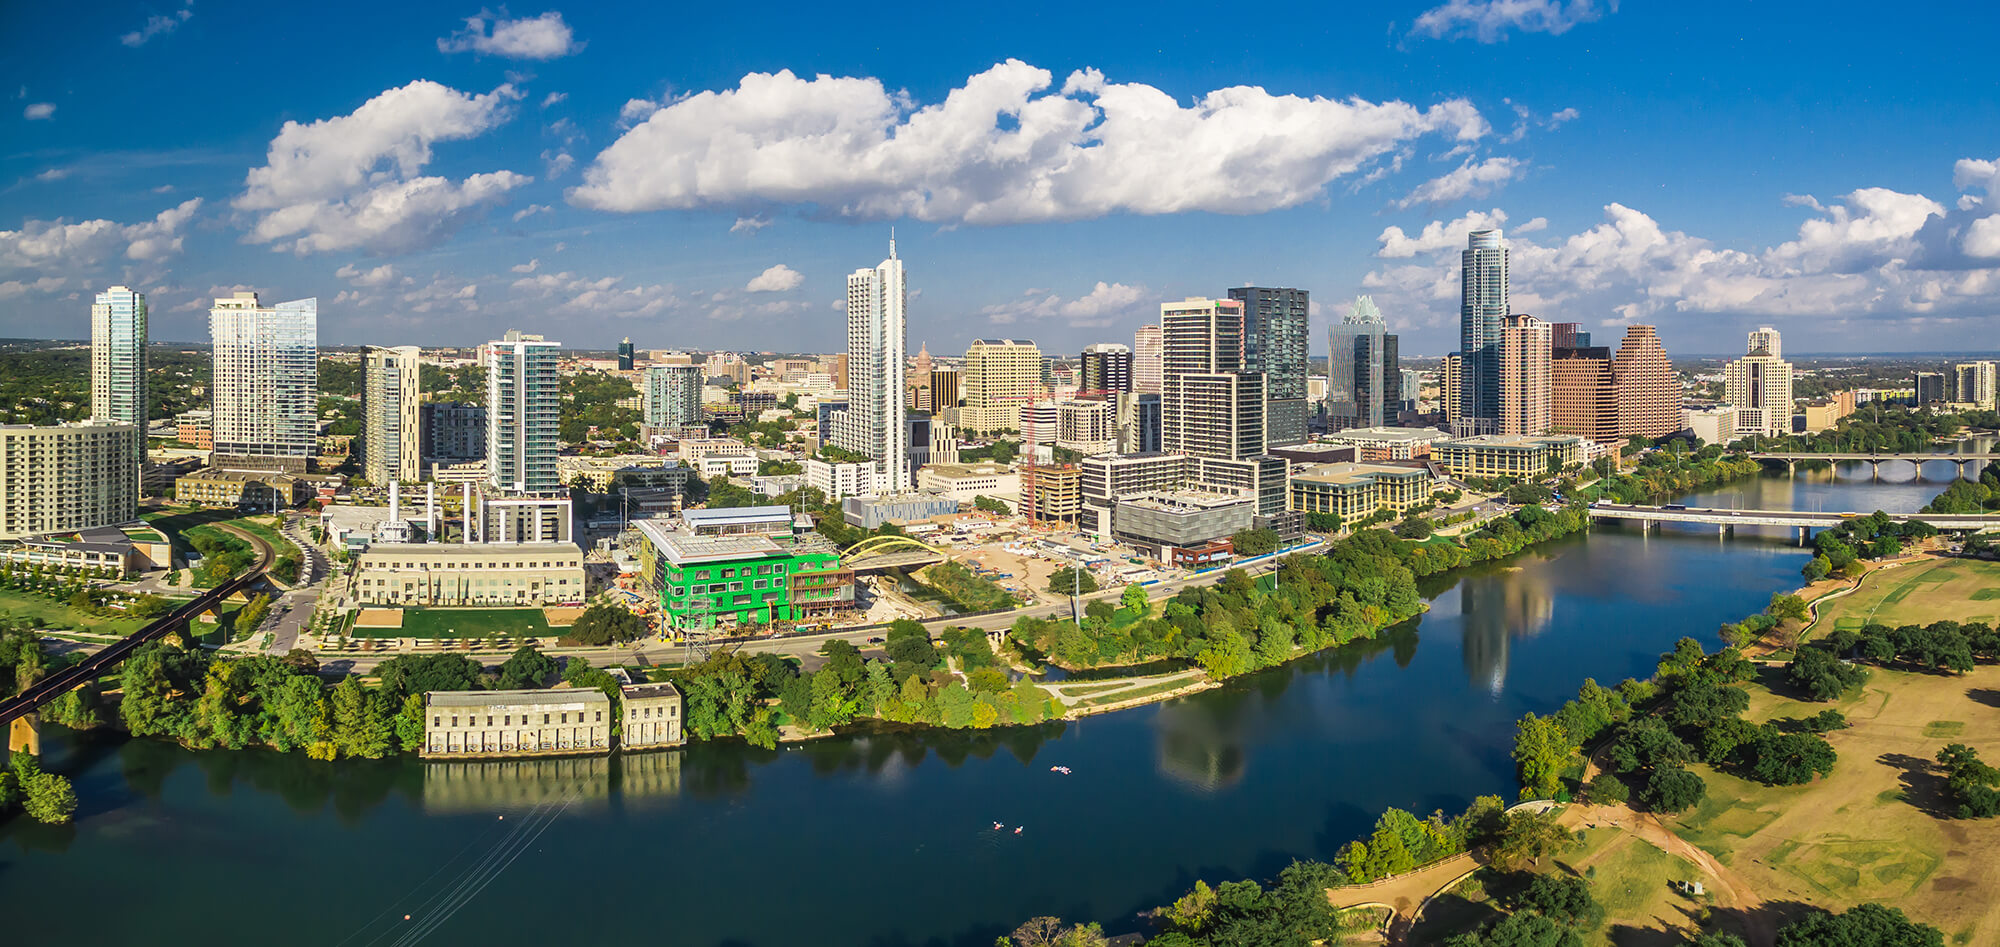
{"x": 516, "y": 723}
{"x": 426, "y": 574}
{"x": 652, "y": 716}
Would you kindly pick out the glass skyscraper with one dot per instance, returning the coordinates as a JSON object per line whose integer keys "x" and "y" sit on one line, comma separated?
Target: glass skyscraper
{"x": 1482, "y": 315}
{"x": 1275, "y": 329}
{"x": 118, "y": 357}
{"x": 874, "y": 425}
{"x": 266, "y": 382}
{"x": 523, "y": 413}
{"x": 1364, "y": 381}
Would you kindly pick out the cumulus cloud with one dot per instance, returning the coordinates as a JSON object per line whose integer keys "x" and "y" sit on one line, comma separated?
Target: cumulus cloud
{"x": 528, "y": 267}
{"x": 53, "y": 174}
{"x": 156, "y": 26}
{"x": 39, "y": 111}
{"x": 603, "y": 296}
{"x": 553, "y": 98}
{"x": 557, "y": 163}
{"x": 353, "y": 181}
{"x": 43, "y": 244}
{"x": 1489, "y": 21}
{"x": 12, "y": 288}
{"x": 635, "y": 111}
{"x": 1471, "y": 179}
{"x": 1871, "y": 252}
{"x": 1000, "y": 149}
{"x": 530, "y": 211}
{"x": 777, "y": 279}
{"x": 543, "y": 37}
{"x": 749, "y": 225}
{"x": 1102, "y": 306}
{"x": 379, "y": 276}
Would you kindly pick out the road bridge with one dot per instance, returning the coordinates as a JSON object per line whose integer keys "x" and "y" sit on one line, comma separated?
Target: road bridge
{"x": 1969, "y": 465}
{"x": 1802, "y": 520}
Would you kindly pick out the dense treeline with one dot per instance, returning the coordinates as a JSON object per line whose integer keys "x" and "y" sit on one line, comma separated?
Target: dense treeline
{"x": 960, "y": 686}
{"x": 1887, "y": 429}
{"x": 1838, "y": 549}
{"x": 1969, "y": 496}
{"x": 1672, "y": 472}
{"x": 50, "y": 385}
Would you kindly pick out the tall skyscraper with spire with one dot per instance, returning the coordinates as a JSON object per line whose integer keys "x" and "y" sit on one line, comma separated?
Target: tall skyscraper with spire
{"x": 1482, "y": 314}
{"x": 1364, "y": 382}
{"x": 875, "y": 423}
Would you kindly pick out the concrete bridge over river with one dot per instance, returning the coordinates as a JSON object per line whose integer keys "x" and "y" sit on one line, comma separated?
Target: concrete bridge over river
{"x": 1802, "y": 520}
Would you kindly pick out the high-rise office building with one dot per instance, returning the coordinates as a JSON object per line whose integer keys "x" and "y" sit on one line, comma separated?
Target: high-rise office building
{"x": 1976, "y": 383}
{"x": 1211, "y": 407}
{"x": 1001, "y": 375}
{"x": 68, "y": 477}
{"x": 118, "y": 358}
{"x": 1649, "y": 393}
{"x": 1138, "y": 422}
{"x": 874, "y": 424}
{"x": 1482, "y": 313}
{"x": 392, "y": 444}
{"x": 453, "y": 433}
{"x": 1364, "y": 381}
{"x": 1275, "y": 330}
{"x": 945, "y": 385}
{"x": 625, "y": 355}
{"x": 672, "y": 396}
{"x": 1451, "y": 375}
{"x": 265, "y": 384}
{"x": 1525, "y": 383}
{"x": 1105, "y": 368}
{"x": 1146, "y": 359}
{"x": 523, "y": 413}
{"x": 1759, "y": 385}
{"x": 1583, "y": 393}
{"x": 1569, "y": 335}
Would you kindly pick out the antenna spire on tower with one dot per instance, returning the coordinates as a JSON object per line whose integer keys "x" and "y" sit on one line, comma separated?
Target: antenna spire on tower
{"x": 892, "y": 243}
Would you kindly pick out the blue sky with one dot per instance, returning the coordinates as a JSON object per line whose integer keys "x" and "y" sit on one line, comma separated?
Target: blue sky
{"x": 705, "y": 176}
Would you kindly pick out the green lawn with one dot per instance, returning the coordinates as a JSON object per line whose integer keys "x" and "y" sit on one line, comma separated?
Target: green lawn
{"x": 56, "y": 614}
{"x": 1920, "y": 593}
{"x": 463, "y": 623}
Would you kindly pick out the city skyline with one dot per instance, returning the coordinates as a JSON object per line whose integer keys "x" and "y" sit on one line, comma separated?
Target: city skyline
{"x": 501, "y": 171}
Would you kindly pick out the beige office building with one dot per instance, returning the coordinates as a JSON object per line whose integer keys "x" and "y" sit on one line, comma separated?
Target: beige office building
{"x": 652, "y": 716}
{"x": 423, "y": 574}
{"x": 1353, "y": 491}
{"x": 1525, "y": 346}
{"x": 563, "y": 720}
{"x": 1509, "y": 455}
{"x": 1649, "y": 393}
{"x": 65, "y": 477}
{"x": 1759, "y": 386}
{"x": 1001, "y": 375}
{"x": 392, "y": 434}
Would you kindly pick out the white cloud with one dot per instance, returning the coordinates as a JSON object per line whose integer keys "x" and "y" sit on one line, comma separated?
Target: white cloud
{"x": 1102, "y": 306}
{"x": 557, "y": 163}
{"x": 530, "y": 211}
{"x": 1468, "y": 180}
{"x": 352, "y": 181}
{"x": 572, "y": 294}
{"x": 635, "y": 111}
{"x": 53, "y": 174}
{"x": 1488, "y": 21}
{"x": 1563, "y": 117}
{"x": 777, "y": 279}
{"x": 749, "y": 225}
{"x": 43, "y": 244}
{"x": 39, "y": 111}
{"x": 1872, "y": 252}
{"x": 543, "y": 37}
{"x": 1438, "y": 234}
{"x": 528, "y": 267}
{"x": 379, "y": 276}
{"x": 155, "y": 26}
{"x": 1000, "y": 149}
{"x": 553, "y": 98}
{"x": 41, "y": 287}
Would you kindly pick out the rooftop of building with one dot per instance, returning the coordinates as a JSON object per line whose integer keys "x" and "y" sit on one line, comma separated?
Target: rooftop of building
{"x": 649, "y": 691}
{"x": 555, "y": 697}
{"x": 1185, "y": 501}
{"x": 739, "y": 516}
{"x": 1352, "y": 473}
{"x": 495, "y": 550}
{"x": 982, "y": 469}
{"x": 682, "y": 547}
{"x": 1384, "y": 434}
{"x": 1514, "y": 441}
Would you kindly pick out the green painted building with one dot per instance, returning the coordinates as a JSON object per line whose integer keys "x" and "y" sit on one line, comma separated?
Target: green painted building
{"x": 744, "y": 566}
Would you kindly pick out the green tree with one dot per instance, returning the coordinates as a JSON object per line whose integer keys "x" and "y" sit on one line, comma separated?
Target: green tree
{"x": 1528, "y": 837}
{"x": 1069, "y": 579}
{"x": 1520, "y": 930}
{"x": 45, "y": 797}
{"x": 1541, "y": 752}
{"x": 409, "y": 724}
{"x": 1673, "y": 789}
{"x": 1254, "y": 542}
{"x": 1786, "y": 606}
{"x": 604, "y": 623}
{"x": 1864, "y": 925}
{"x": 526, "y": 668}
{"x": 1134, "y": 599}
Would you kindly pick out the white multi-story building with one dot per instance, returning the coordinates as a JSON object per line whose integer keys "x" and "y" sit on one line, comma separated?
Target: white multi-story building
{"x": 1759, "y": 385}
{"x": 874, "y": 423}
{"x": 392, "y": 446}
{"x": 840, "y": 480}
{"x": 523, "y": 413}
{"x": 1211, "y": 407}
{"x": 673, "y": 396}
{"x": 118, "y": 358}
{"x": 1087, "y": 427}
{"x": 1146, "y": 355}
{"x": 1977, "y": 383}
{"x": 265, "y": 384}
{"x": 1716, "y": 425}
{"x": 67, "y": 477}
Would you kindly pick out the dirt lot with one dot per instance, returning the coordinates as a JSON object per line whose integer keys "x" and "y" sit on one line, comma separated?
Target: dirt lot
{"x": 1922, "y": 592}
{"x": 1874, "y": 830}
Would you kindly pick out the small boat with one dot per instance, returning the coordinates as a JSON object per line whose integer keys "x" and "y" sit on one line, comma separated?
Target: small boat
{"x": 997, "y": 826}
{"x": 1017, "y": 829}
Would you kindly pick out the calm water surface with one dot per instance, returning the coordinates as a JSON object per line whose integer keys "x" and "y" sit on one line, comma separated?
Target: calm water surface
{"x": 887, "y": 839}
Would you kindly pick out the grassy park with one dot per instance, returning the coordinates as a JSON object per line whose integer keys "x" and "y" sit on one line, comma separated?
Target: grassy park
{"x": 461, "y": 623}
{"x": 1962, "y": 590}
{"x": 54, "y": 614}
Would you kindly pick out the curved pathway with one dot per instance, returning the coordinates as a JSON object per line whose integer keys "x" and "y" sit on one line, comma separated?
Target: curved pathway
{"x": 1406, "y": 894}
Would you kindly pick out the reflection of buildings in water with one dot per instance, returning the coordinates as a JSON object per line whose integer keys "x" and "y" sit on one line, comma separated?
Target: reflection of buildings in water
{"x": 482, "y": 786}
{"x": 1496, "y": 609}
{"x": 1196, "y": 749}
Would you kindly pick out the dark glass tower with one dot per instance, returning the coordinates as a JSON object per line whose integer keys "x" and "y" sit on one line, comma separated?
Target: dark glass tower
{"x": 1275, "y": 323}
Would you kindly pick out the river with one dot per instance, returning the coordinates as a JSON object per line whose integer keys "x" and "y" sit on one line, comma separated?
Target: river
{"x": 887, "y": 839}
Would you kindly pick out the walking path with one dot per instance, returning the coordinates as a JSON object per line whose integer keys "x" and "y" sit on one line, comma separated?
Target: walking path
{"x": 1406, "y": 894}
